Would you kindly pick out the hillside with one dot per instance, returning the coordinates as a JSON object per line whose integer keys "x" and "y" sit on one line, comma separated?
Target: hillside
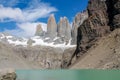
{"x": 105, "y": 54}
{"x": 9, "y": 59}
{"x": 103, "y": 19}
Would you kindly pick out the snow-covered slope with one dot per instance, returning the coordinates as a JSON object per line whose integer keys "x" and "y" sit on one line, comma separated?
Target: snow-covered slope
{"x": 33, "y": 41}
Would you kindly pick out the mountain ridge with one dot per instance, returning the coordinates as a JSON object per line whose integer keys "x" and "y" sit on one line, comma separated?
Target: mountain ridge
{"x": 100, "y": 22}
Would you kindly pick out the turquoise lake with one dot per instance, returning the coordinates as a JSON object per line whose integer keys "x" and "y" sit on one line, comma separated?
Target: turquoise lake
{"x": 68, "y": 74}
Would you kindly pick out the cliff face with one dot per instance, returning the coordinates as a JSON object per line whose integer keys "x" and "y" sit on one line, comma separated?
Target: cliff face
{"x": 40, "y": 56}
{"x": 79, "y": 18}
{"x": 113, "y": 13}
{"x": 103, "y": 16}
{"x": 95, "y": 26}
{"x": 37, "y": 57}
{"x": 62, "y": 32}
{"x": 105, "y": 54}
{"x": 51, "y": 27}
{"x": 64, "y": 29}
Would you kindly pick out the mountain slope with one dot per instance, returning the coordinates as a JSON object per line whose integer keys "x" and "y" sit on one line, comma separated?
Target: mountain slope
{"x": 9, "y": 59}
{"x": 104, "y": 55}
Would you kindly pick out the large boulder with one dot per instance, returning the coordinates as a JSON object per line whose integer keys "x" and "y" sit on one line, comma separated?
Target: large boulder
{"x": 8, "y": 74}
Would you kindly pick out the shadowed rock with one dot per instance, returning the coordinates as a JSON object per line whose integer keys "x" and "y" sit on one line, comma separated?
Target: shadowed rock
{"x": 7, "y": 75}
{"x": 94, "y": 27}
{"x": 116, "y": 19}
{"x": 79, "y": 18}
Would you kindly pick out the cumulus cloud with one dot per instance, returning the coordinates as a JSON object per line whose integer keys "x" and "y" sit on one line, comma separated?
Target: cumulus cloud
{"x": 18, "y": 15}
{"x": 25, "y": 18}
{"x": 8, "y": 13}
{"x": 26, "y": 29}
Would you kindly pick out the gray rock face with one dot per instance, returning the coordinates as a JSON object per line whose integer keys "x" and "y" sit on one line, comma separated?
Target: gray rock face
{"x": 42, "y": 57}
{"x": 68, "y": 32}
{"x": 64, "y": 29}
{"x": 79, "y": 19}
{"x": 103, "y": 17}
{"x": 39, "y": 30}
{"x": 74, "y": 33}
{"x": 94, "y": 27}
{"x": 30, "y": 42}
{"x": 61, "y": 26}
{"x": 51, "y": 27}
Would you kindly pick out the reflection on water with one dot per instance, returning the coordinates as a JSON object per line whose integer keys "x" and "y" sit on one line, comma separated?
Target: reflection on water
{"x": 68, "y": 74}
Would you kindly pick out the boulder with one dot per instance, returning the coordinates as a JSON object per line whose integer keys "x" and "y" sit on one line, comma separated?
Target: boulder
{"x": 7, "y": 74}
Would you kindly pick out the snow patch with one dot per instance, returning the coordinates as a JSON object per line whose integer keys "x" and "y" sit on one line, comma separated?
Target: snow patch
{"x": 17, "y": 42}
{"x": 38, "y": 41}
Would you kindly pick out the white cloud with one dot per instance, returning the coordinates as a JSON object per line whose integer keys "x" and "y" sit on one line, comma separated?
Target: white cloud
{"x": 26, "y": 29}
{"x": 41, "y": 12}
{"x": 25, "y": 18}
{"x": 29, "y": 14}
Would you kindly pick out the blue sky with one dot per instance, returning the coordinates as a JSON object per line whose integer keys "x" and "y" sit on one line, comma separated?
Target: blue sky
{"x": 20, "y": 17}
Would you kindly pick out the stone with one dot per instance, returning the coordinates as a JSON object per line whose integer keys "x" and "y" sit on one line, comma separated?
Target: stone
{"x": 39, "y": 31}
{"x": 61, "y": 27}
{"x": 67, "y": 31}
{"x": 74, "y": 34}
{"x": 64, "y": 29}
{"x": 30, "y": 42}
{"x": 51, "y": 27}
{"x": 8, "y": 74}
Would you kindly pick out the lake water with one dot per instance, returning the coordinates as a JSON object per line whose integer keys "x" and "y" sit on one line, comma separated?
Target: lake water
{"x": 68, "y": 74}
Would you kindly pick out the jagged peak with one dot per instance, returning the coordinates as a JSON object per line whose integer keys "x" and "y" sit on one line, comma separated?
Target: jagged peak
{"x": 65, "y": 17}
{"x": 52, "y": 15}
{"x": 61, "y": 18}
{"x": 39, "y": 30}
{"x": 39, "y": 26}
